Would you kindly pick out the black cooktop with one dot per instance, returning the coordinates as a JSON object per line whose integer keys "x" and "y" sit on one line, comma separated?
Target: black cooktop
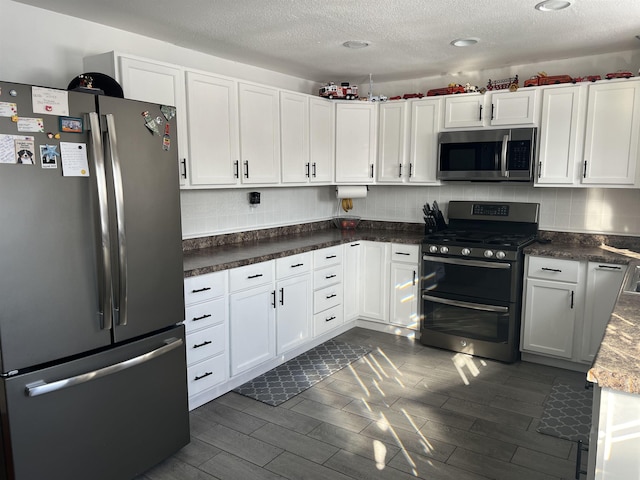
{"x": 479, "y": 237}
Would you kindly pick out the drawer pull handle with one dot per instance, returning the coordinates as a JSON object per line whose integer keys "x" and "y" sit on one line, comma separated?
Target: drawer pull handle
{"x": 551, "y": 269}
{"x": 195, "y": 319}
{"x": 200, "y": 377}
{"x": 203, "y": 344}
{"x": 201, "y": 290}
{"x": 330, "y": 256}
{"x": 329, "y": 319}
{"x": 258, "y": 275}
{"x": 330, "y": 276}
{"x": 354, "y": 245}
{"x": 332, "y": 295}
{"x": 609, "y": 267}
{"x": 297, "y": 265}
{"x": 402, "y": 253}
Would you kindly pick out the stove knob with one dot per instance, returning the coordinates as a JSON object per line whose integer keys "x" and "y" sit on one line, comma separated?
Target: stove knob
{"x": 433, "y": 249}
{"x": 500, "y": 255}
{"x": 466, "y": 251}
{"x": 488, "y": 253}
{"x": 444, "y": 249}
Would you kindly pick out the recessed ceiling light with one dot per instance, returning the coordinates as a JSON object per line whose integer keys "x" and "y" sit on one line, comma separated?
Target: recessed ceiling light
{"x": 464, "y": 42}
{"x": 356, "y": 44}
{"x": 552, "y": 5}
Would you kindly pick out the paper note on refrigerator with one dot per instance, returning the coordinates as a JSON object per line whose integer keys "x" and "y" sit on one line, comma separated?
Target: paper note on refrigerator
{"x": 74, "y": 159}
{"x": 10, "y": 145}
{"x": 50, "y": 101}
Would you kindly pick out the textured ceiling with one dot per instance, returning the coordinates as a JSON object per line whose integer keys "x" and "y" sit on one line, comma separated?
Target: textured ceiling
{"x": 409, "y": 38}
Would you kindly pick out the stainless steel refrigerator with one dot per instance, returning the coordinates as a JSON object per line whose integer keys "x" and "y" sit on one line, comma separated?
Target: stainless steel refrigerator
{"x": 92, "y": 355}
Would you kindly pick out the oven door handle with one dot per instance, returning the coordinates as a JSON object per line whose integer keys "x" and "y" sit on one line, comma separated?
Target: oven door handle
{"x": 469, "y": 263}
{"x": 473, "y": 306}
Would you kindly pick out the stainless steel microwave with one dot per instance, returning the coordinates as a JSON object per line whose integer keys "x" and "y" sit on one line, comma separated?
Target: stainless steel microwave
{"x": 487, "y": 155}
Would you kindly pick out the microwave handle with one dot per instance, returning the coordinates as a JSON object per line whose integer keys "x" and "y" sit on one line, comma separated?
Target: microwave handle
{"x": 503, "y": 159}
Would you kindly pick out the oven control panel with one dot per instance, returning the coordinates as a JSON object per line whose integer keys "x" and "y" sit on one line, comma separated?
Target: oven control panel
{"x": 492, "y": 210}
{"x": 479, "y": 253}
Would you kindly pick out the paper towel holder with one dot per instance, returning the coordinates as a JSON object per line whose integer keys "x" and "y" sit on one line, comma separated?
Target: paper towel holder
{"x": 351, "y": 191}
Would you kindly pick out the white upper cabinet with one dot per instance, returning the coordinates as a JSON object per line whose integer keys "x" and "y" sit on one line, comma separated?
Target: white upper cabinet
{"x": 612, "y": 133}
{"x": 423, "y": 153}
{"x": 561, "y": 135}
{"x": 322, "y": 124}
{"x": 294, "y": 137}
{"x": 212, "y": 112}
{"x": 491, "y": 109}
{"x": 392, "y": 142}
{"x": 356, "y": 131}
{"x": 148, "y": 81}
{"x": 259, "y": 134}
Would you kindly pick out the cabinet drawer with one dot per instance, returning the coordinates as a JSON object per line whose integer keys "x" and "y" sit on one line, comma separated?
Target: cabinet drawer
{"x": 554, "y": 269}
{"x": 205, "y": 343}
{"x": 293, "y": 265}
{"x": 250, "y": 276}
{"x": 203, "y": 315}
{"x": 327, "y": 297}
{"x": 327, "y": 276}
{"x": 206, "y": 374}
{"x": 327, "y": 256}
{"x": 405, "y": 253}
{"x": 327, "y": 320}
{"x": 204, "y": 287}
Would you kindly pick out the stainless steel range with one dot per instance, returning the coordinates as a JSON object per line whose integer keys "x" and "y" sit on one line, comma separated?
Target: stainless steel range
{"x": 472, "y": 278}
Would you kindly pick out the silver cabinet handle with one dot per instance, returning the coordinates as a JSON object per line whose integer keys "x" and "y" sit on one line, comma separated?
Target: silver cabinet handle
{"x": 41, "y": 387}
{"x": 106, "y": 316}
{"x": 120, "y": 300}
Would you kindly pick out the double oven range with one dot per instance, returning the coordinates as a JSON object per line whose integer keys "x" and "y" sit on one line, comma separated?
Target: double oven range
{"x": 472, "y": 276}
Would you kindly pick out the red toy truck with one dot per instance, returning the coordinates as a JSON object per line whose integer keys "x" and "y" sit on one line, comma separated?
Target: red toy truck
{"x": 344, "y": 91}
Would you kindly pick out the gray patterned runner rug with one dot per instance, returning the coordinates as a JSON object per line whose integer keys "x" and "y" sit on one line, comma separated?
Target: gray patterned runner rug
{"x": 567, "y": 413}
{"x": 298, "y": 374}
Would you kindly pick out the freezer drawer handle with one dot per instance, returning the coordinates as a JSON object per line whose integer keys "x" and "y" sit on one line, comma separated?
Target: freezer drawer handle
{"x": 200, "y": 377}
{"x": 41, "y": 387}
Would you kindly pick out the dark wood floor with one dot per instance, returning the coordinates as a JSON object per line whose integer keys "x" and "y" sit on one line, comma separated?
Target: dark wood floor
{"x": 403, "y": 411}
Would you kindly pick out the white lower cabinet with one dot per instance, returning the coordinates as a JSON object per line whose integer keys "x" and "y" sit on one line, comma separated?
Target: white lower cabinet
{"x": 404, "y": 286}
{"x": 566, "y": 307}
{"x": 328, "y": 310}
{"x": 352, "y": 277}
{"x": 252, "y": 316}
{"x": 207, "y": 332}
{"x": 374, "y": 281}
{"x": 293, "y": 302}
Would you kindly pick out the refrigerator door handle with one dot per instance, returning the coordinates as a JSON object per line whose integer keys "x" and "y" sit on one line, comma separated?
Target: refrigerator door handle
{"x": 41, "y": 387}
{"x": 120, "y": 300}
{"x": 104, "y": 310}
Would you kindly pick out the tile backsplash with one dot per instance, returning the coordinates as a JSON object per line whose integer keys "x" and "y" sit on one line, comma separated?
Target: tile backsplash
{"x": 589, "y": 210}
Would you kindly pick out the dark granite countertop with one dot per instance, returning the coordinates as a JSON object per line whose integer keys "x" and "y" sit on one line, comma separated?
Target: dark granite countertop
{"x": 577, "y": 252}
{"x": 198, "y": 261}
{"x": 617, "y": 363}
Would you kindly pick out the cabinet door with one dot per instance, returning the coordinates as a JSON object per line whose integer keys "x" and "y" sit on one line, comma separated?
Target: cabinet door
{"x": 561, "y": 135}
{"x": 252, "y": 325}
{"x": 464, "y": 111}
{"x": 294, "y": 137}
{"x": 259, "y": 134}
{"x": 355, "y": 142}
{"x": 423, "y": 158}
{"x": 403, "y": 295}
{"x": 603, "y": 285}
{"x": 549, "y": 317}
{"x": 159, "y": 83}
{"x": 513, "y": 108}
{"x": 392, "y": 142}
{"x": 212, "y": 112}
{"x": 294, "y": 313}
{"x": 374, "y": 281}
{"x": 612, "y": 133}
{"x": 352, "y": 279}
{"x": 322, "y": 124}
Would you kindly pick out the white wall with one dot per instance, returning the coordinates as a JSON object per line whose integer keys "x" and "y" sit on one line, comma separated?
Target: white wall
{"x": 47, "y": 49}
{"x": 52, "y": 55}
